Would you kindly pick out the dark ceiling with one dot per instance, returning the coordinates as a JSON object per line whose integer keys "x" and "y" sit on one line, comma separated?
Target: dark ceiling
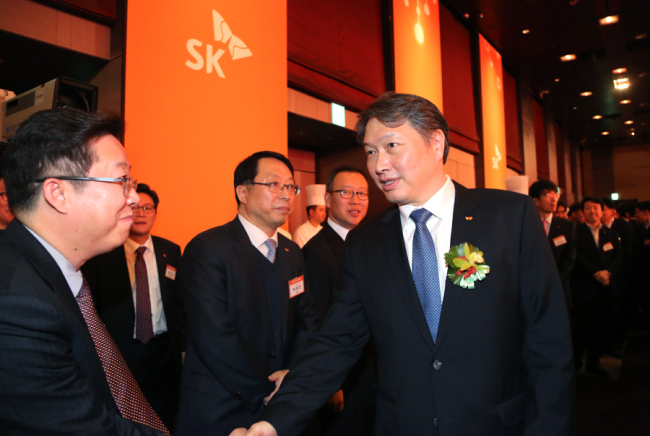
{"x": 560, "y": 27}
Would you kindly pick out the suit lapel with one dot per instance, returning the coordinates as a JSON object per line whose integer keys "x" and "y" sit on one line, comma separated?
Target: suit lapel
{"x": 462, "y": 230}
{"x": 161, "y": 264}
{"x": 337, "y": 243}
{"x": 395, "y": 250}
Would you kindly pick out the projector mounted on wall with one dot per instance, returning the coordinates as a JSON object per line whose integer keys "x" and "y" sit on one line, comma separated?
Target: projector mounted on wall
{"x": 60, "y": 92}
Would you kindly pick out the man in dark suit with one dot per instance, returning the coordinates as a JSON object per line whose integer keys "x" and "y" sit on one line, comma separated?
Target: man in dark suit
{"x": 642, "y": 215}
{"x": 495, "y": 357}
{"x": 593, "y": 281}
{"x": 68, "y": 182}
{"x": 248, "y": 311}
{"x": 123, "y": 300}
{"x": 560, "y": 232}
{"x": 351, "y": 410}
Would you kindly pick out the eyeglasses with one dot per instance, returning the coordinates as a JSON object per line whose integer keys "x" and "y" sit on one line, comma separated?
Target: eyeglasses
{"x": 276, "y": 187}
{"x": 552, "y": 194}
{"x": 3, "y": 195}
{"x": 347, "y": 194}
{"x": 147, "y": 210}
{"x": 128, "y": 182}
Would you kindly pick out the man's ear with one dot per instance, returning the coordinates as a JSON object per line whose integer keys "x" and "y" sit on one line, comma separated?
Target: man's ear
{"x": 242, "y": 194}
{"x": 438, "y": 142}
{"x": 57, "y": 195}
{"x": 328, "y": 200}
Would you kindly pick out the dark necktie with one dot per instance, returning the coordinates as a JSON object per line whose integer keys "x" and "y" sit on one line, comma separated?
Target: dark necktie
{"x": 425, "y": 270}
{"x": 270, "y": 244}
{"x": 143, "y": 322}
{"x": 125, "y": 390}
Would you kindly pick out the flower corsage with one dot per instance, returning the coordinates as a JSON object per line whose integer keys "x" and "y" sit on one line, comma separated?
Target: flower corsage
{"x": 466, "y": 265}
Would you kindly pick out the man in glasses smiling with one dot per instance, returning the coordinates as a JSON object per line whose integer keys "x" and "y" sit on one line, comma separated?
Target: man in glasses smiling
{"x": 67, "y": 179}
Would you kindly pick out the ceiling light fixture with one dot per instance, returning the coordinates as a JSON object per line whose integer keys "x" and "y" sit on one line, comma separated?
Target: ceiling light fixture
{"x": 604, "y": 133}
{"x": 597, "y": 117}
{"x": 626, "y": 101}
{"x": 558, "y": 79}
{"x": 608, "y": 20}
{"x": 629, "y": 122}
{"x": 619, "y": 71}
{"x": 621, "y": 83}
{"x": 640, "y": 36}
{"x": 525, "y": 31}
{"x": 643, "y": 74}
{"x": 568, "y": 57}
{"x": 586, "y": 93}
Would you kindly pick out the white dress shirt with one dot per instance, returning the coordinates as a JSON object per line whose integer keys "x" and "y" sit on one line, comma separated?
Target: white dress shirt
{"x": 595, "y": 232}
{"x": 257, "y": 236}
{"x": 547, "y": 223}
{"x": 155, "y": 296}
{"x": 340, "y": 230}
{"x": 441, "y": 205}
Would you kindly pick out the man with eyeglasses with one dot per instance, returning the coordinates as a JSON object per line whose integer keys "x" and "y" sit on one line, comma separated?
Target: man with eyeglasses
{"x": 351, "y": 410}
{"x": 561, "y": 233}
{"x": 67, "y": 177}
{"x": 134, "y": 288}
{"x": 247, "y": 307}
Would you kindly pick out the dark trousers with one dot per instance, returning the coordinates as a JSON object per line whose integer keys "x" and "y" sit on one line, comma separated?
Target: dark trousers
{"x": 153, "y": 367}
{"x": 592, "y": 321}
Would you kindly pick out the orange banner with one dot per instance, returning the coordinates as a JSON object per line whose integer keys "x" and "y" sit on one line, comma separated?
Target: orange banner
{"x": 206, "y": 86}
{"x": 494, "y": 122}
{"x": 416, "y": 37}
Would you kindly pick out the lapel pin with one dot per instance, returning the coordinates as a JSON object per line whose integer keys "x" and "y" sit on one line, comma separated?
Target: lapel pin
{"x": 469, "y": 218}
{"x": 286, "y": 249}
{"x": 164, "y": 255}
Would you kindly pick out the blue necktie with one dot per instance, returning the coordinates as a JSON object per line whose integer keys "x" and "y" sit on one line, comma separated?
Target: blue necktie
{"x": 425, "y": 270}
{"x": 270, "y": 244}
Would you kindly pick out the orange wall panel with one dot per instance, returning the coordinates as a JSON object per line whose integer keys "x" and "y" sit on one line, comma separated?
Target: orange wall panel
{"x": 494, "y": 123}
{"x": 205, "y": 87}
{"x": 416, "y": 38}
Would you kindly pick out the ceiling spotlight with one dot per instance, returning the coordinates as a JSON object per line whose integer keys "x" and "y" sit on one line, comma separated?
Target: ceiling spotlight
{"x": 626, "y": 101}
{"x": 619, "y": 71}
{"x": 466, "y": 16}
{"x": 558, "y": 79}
{"x": 640, "y": 36}
{"x": 604, "y": 133}
{"x": 597, "y": 117}
{"x": 586, "y": 93}
{"x": 568, "y": 57}
{"x": 643, "y": 74}
{"x": 525, "y": 31}
{"x": 629, "y": 122}
{"x": 632, "y": 133}
{"x": 608, "y": 20}
{"x": 575, "y": 108}
{"x": 622, "y": 83}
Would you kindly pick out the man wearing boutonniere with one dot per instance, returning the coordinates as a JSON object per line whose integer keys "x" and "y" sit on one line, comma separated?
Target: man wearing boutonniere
{"x": 481, "y": 351}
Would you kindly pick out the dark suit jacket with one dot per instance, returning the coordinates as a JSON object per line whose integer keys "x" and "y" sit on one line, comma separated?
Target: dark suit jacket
{"x": 590, "y": 259}
{"x": 108, "y": 277}
{"x": 502, "y": 364}
{"x": 231, "y": 346}
{"x": 51, "y": 378}
{"x": 564, "y": 253}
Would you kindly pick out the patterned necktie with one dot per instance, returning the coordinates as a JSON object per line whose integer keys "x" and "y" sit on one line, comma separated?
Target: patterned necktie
{"x": 270, "y": 244}
{"x": 425, "y": 270}
{"x": 547, "y": 226}
{"x": 143, "y": 323}
{"x": 125, "y": 390}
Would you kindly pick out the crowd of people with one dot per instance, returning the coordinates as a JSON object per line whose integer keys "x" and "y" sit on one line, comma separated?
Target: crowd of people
{"x": 452, "y": 313}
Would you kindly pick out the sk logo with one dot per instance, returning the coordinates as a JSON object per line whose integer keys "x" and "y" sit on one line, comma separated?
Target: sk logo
{"x": 222, "y": 33}
{"x": 496, "y": 158}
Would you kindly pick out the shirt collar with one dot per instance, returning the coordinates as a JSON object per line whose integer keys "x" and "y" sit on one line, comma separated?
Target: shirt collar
{"x": 340, "y": 230}
{"x": 596, "y": 228}
{"x": 130, "y": 245}
{"x": 72, "y": 276}
{"x": 441, "y": 204}
{"x": 549, "y": 218}
{"x": 255, "y": 234}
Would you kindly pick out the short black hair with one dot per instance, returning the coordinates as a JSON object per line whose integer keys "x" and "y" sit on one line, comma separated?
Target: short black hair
{"x": 393, "y": 110}
{"x": 54, "y": 142}
{"x": 562, "y": 204}
{"x": 574, "y": 208}
{"x": 643, "y": 206}
{"x": 247, "y": 169}
{"x": 329, "y": 184}
{"x": 537, "y": 189}
{"x": 143, "y": 188}
{"x": 608, "y": 203}
{"x": 592, "y": 200}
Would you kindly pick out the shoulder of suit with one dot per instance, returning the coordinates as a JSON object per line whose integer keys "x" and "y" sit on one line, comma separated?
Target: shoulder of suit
{"x": 285, "y": 242}
{"x": 10, "y": 257}
{"x": 164, "y": 242}
{"x": 219, "y": 233}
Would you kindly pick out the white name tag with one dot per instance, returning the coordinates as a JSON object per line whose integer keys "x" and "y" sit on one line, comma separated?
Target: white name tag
{"x": 608, "y": 246}
{"x": 170, "y": 272}
{"x": 560, "y": 240}
{"x": 296, "y": 286}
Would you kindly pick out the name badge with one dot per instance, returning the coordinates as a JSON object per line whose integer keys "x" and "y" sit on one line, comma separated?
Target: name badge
{"x": 296, "y": 286}
{"x": 608, "y": 246}
{"x": 170, "y": 272}
{"x": 560, "y": 240}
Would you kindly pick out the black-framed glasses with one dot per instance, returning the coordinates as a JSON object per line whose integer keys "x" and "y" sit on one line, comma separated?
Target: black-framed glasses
{"x": 3, "y": 195}
{"x": 277, "y": 187}
{"x": 147, "y": 210}
{"x": 348, "y": 194}
{"x": 128, "y": 182}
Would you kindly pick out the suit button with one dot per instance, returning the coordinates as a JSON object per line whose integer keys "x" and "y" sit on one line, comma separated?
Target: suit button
{"x": 436, "y": 364}
{"x": 272, "y": 356}
{"x": 435, "y": 422}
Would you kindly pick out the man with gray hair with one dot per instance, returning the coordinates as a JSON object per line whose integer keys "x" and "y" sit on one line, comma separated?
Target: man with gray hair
{"x": 460, "y": 291}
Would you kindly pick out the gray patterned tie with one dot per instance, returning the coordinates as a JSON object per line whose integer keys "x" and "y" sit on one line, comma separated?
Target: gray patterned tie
{"x": 270, "y": 244}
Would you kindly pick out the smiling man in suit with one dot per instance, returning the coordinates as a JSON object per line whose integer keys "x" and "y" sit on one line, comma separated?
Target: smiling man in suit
{"x": 453, "y": 361}
{"x": 561, "y": 233}
{"x": 69, "y": 184}
{"x": 134, "y": 288}
{"x": 248, "y": 310}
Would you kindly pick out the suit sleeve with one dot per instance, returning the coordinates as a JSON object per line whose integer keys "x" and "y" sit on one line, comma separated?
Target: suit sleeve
{"x": 614, "y": 264}
{"x": 215, "y": 338}
{"x": 42, "y": 390}
{"x": 569, "y": 258}
{"x": 547, "y": 349}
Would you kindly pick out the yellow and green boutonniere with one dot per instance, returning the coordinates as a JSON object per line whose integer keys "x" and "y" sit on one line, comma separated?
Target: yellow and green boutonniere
{"x": 466, "y": 265}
